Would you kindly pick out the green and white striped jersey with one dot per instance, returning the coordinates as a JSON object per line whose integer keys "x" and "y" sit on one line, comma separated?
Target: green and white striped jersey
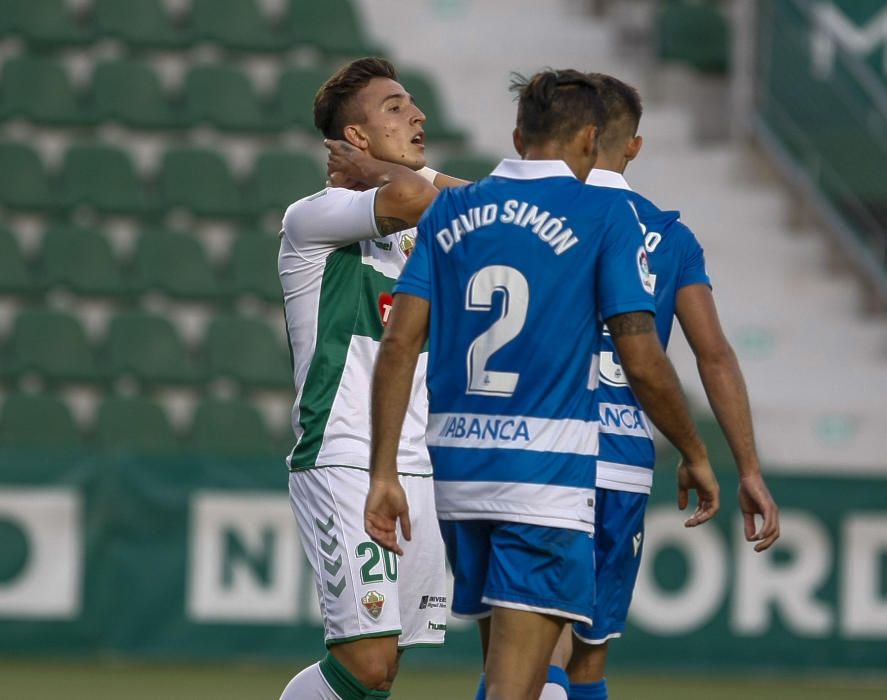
{"x": 337, "y": 274}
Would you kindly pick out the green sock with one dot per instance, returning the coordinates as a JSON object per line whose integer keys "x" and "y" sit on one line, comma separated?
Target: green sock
{"x": 345, "y": 684}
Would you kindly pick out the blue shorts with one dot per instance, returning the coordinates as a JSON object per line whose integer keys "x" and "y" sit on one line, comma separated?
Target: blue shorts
{"x": 618, "y": 545}
{"x": 516, "y": 565}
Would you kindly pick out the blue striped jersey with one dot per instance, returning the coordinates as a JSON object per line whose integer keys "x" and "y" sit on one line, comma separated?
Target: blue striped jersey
{"x": 519, "y": 268}
{"x": 676, "y": 260}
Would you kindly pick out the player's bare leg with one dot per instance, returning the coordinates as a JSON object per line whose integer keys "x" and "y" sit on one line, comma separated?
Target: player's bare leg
{"x": 373, "y": 662}
{"x": 586, "y": 670}
{"x": 564, "y": 648}
{"x": 520, "y": 647}
{"x": 351, "y": 670}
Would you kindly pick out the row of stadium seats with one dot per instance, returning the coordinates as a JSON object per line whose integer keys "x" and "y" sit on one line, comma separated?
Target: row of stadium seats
{"x": 145, "y": 347}
{"x": 694, "y": 32}
{"x": 329, "y": 26}
{"x": 218, "y": 426}
{"x": 197, "y": 179}
{"x": 82, "y": 261}
{"x": 130, "y": 92}
{"x": 104, "y": 177}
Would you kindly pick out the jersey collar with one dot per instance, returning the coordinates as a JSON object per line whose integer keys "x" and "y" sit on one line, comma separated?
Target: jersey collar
{"x": 607, "y": 178}
{"x": 532, "y": 169}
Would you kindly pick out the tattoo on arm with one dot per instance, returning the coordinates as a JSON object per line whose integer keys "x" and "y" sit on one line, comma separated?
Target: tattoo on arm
{"x": 633, "y": 323}
{"x": 390, "y": 224}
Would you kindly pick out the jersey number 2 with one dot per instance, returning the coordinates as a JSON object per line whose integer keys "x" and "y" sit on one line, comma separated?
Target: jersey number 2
{"x": 479, "y": 297}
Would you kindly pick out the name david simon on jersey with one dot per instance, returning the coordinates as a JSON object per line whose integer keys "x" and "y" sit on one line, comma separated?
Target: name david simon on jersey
{"x": 549, "y": 228}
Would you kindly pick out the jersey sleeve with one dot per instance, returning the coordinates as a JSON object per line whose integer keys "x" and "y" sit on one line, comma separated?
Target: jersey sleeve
{"x": 332, "y": 218}
{"x": 415, "y": 278}
{"x": 693, "y": 270}
{"x": 623, "y": 271}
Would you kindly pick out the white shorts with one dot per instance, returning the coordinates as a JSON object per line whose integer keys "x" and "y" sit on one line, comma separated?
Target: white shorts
{"x": 365, "y": 590}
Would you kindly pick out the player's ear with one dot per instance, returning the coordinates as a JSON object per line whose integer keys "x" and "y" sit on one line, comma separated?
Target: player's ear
{"x": 518, "y": 142}
{"x": 356, "y": 137}
{"x": 633, "y": 147}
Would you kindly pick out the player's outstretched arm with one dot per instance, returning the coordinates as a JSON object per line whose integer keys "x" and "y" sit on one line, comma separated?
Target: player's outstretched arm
{"x": 727, "y": 395}
{"x": 655, "y": 384}
{"x": 404, "y": 336}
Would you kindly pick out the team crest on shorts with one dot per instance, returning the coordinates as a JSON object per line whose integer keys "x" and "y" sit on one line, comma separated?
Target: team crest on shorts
{"x": 373, "y": 602}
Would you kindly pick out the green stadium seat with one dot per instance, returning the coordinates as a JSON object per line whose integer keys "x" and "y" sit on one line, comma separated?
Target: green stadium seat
{"x": 280, "y": 178}
{"x": 252, "y": 267}
{"x": 102, "y": 177}
{"x": 245, "y": 349}
{"x": 225, "y": 98}
{"x": 130, "y": 92}
{"x": 696, "y": 33}
{"x": 147, "y": 347}
{"x": 7, "y": 20}
{"x": 24, "y": 183}
{"x": 38, "y": 89}
{"x": 15, "y": 278}
{"x": 294, "y": 99}
{"x": 235, "y": 24}
{"x": 468, "y": 167}
{"x": 81, "y": 260}
{"x": 51, "y": 344}
{"x": 37, "y": 422}
{"x": 137, "y": 425}
{"x": 425, "y": 96}
{"x": 139, "y": 23}
{"x": 199, "y": 180}
{"x": 230, "y": 427}
{"x": 173, "y": 263}
{"x": 330, "y": 25}
{"x": 48, "y": 23}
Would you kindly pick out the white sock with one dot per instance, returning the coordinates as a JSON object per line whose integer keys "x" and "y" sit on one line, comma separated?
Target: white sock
{"x": 558, "y": 685}
{"x": 309, "y": 685}
{"x": 553, "y": 691}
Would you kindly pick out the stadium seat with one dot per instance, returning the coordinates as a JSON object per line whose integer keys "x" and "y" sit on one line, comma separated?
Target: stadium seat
{"x": 48, "y": 23}
{"x": 294, "y": 101}
{"x": 245, "y": 349}
{"x": 7, "y": 21}
{"x": 147, "y": 347}
{"x": 426, "y": 97}
{"x": 696, "y": 33}
{"x": 130, "y": 92}
{"x": 225, "y": 98}
{"x": 15, "y": 278}
{"x": 134, "y": 425}
{"x": 102, "y": 177}
{"x": 38, "y": 89}
{"x": 235, "y": 24}
{"x": 23, "y": 180}
{"x": 81, "y": 260}
{"x": 139, "y": 23}
{"x": 252, "y": 267}
{"x": 230, "y": 427}
{"x": 280, "y": 178}
{"x": 173, "y": 263}
{"x": 331, "y": 25}
{"x": 51, "y": 344}
{"x": 468, "y": 167}
{"x": 37, "y": 422}
{"x": 199, "y": 180}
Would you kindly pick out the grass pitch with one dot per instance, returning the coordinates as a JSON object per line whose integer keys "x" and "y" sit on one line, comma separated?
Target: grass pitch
{"x": 106, "y": 680}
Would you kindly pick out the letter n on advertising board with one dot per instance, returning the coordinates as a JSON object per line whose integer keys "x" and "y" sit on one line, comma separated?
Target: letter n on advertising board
{"x": 244, "y": 559}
